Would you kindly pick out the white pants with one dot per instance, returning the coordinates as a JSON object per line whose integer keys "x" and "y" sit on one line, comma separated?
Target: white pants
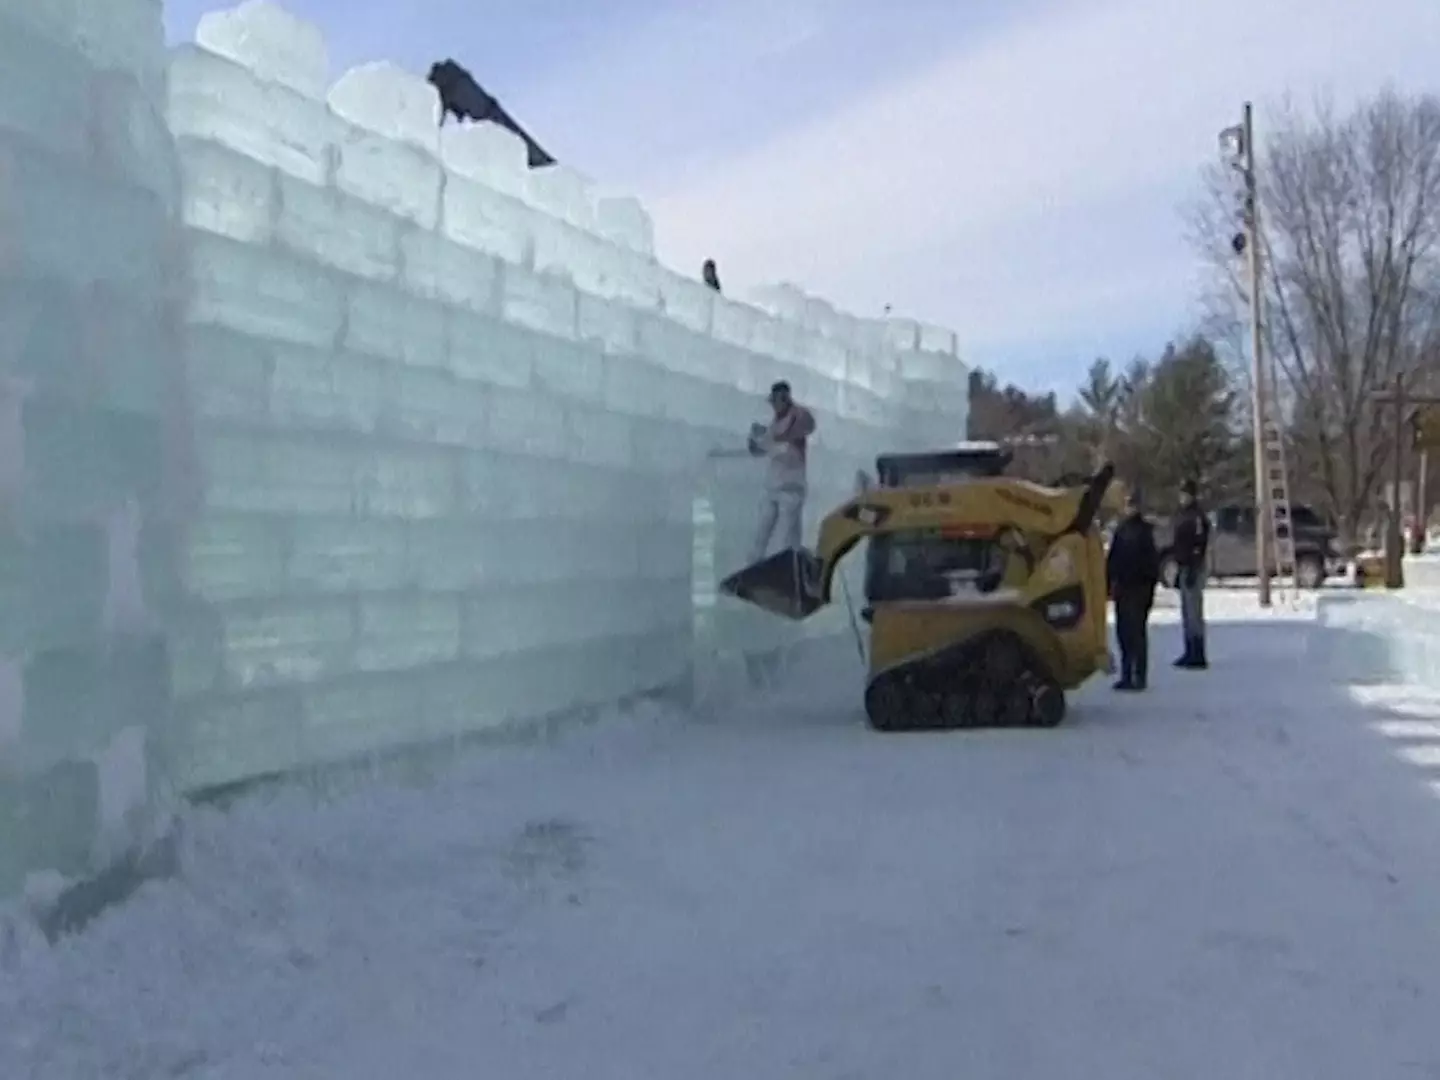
{"x": 783, "y": 509}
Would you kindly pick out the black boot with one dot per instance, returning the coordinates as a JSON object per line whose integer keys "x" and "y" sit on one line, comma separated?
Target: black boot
{"x": 1194, "y": 658}
{"x": 1125, "y": 682}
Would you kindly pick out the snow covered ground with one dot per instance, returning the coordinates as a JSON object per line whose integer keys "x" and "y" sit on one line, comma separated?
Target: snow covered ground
{"x": 1232, "y": 876}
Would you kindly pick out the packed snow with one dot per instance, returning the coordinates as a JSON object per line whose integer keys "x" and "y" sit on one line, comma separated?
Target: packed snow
{"x": 1232, "y": 875}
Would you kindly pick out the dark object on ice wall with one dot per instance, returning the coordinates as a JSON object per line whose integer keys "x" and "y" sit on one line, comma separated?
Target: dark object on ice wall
{"x": 710, "y": 274}
{"x": 465, "y": 99}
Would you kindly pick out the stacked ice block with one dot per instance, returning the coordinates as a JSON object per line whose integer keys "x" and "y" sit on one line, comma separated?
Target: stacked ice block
{"x": 453, "y": 417}
{"x": 89, "y": 355}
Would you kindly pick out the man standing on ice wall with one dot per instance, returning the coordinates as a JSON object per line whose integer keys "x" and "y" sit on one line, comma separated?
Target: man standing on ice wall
{"x": 784, "y": 443}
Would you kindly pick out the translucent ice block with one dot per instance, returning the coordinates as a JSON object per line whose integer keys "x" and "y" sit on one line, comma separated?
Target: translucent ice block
{"x": 411, "y": 483}
{"x": 300, "y": 642}
{"x": 383, "y": 321}
{"x": 397, "y": 632}
{"x": 927, "y": 365}
{"x": 665, "y": 552}
{"x": 732, "y": 322}
{"x": 74, "y": 224}
{"x": 236, "y": 557}
{"x": 347, "y": 555}
{"x": 263, "y": 292}
{"x": 561, "y": 192}
{"x": 226, "y": 192}
{"x": 782, "y": 300}
{"x": 323, "y": 390}
{"x": 45, "y": 88}
{"x": 824, "y": 356}
{"x": 337, "y": 230}
{"x": 937, "y": 339}
{"x": 634, "y": 385}
{"x": 228, "y": 375}
{"x": 540, "y": 302}
{"x": 568, "y": 369}
{"x": 436, "y": 268}
{"x": 671, "y": 447}
{"x": 903, "y": 334}
{"x": 867, "y": 407}
{"x": 442, "y": 554}
{"x": 678, "y": 349}
{"x": 595, "y": 265}
{"x": 214, "y": 98}
{"x": 529, "y": 423}
{"x": 301, "y": 388}
{"x": 267, "y": 40}
{"x": 624, "y": 221}
{"x": 391, "y": 102}
{"x": 687, "y": 301}
{"x": 395, "y": 176}
{"x": 132, "y": 136}
{"x": 254, "y": 471}
{"x": 778, "y": 338}
{"x": 607, "y": 326}
{"x": 433, "y": 406}
{"x": 124, "y": 36}
{"x": 598, "y": 437}
{"x": 490, "y": 351}
{"x": 487, "y": 220}
{"x": 486, "y": 153}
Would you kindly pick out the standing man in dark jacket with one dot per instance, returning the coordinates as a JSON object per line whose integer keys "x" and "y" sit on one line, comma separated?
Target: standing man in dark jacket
{"x": 1132, "y": 568}
{"x": 1192, "y": 544}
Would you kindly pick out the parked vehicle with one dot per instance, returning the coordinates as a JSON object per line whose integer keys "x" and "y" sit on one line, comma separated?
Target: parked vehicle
{"x": 1232, "y": 546}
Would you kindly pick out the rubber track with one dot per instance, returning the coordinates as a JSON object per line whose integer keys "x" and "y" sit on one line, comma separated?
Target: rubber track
{"x": 992, "y": 680}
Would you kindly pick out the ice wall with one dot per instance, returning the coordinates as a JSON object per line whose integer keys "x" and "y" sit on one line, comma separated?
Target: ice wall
{"x": 89, "y": 349}
{"x": 453, "y": 419}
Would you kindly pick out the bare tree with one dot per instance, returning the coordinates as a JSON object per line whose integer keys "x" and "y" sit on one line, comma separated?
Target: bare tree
{"x": 1350, "y": 213}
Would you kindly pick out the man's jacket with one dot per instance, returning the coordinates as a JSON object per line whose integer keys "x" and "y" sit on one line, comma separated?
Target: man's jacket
{"x": 784, "y": 443}
{"x": 1133, "y": 563}
{"x": 1192, "y": 538}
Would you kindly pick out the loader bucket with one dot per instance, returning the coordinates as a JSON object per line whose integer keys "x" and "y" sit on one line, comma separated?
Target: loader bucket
{"x": 785, "y": 584}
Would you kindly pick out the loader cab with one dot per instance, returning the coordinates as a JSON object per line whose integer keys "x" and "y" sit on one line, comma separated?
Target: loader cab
{"x": 965, "y": 461}
{"x": 929, "y": 564}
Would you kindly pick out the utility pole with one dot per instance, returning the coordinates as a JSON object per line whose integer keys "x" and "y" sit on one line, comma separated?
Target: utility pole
{"x": 1402, "y": 400}
{"x": 1238, "y": 143}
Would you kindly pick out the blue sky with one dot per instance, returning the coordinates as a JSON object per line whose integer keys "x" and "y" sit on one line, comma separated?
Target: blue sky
{"x": 1012, "y": 170}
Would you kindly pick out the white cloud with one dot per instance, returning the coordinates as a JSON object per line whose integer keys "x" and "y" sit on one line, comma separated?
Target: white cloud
{"x": 1028, "y": 185}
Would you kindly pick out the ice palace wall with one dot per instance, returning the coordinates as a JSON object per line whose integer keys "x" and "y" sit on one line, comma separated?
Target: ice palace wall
{"x": 90, "y": 343}
{"x": 443, "y": 421}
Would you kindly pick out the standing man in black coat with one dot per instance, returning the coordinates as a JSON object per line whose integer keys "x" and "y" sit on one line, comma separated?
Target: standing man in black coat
{"x": 1132, "y": 568}
{"x": 1191, "y": 548}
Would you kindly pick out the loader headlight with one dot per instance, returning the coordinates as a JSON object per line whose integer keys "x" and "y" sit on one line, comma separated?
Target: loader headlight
{"x": 1062, "y": 609}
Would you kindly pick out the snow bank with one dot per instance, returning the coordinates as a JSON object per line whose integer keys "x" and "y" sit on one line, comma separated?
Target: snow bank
{"x": 1228, "y": 876}
{"x": 1381, "y": 637}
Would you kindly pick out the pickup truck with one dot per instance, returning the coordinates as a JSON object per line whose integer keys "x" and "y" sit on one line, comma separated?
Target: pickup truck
{"x": 1232, "y": 546}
